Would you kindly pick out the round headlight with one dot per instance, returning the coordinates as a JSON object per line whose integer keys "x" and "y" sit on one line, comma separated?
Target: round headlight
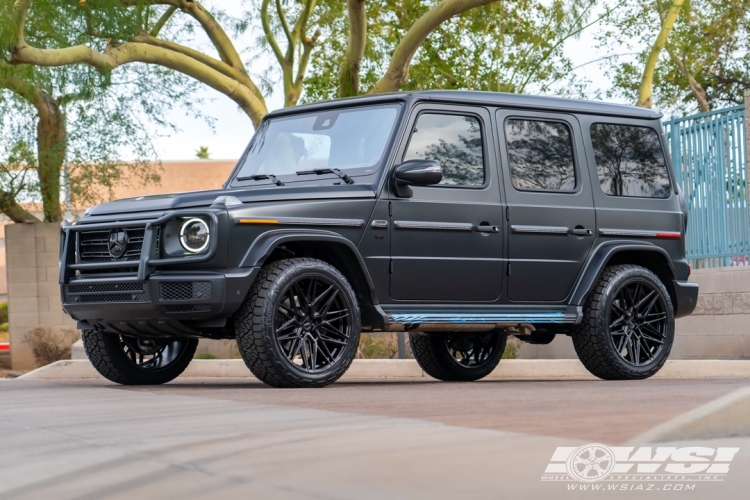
{"x": 194, "y": 235}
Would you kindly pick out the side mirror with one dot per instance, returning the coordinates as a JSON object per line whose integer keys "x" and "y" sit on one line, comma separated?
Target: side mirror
{"x": 416, "y": 173}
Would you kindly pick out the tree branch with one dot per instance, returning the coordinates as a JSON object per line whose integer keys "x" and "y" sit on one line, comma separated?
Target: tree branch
{"x": 163, "y": 20}
{"x": 696, "y": 88}
{"x": 13, "y": 210}
{"x": 269, "y": 33}
{"x": 282, "y": 18}
{"x": 355, "y": 49}
{"x": 398, "y": 69}
{"x": 128, "y": 52}
{"x": 645, "y": 92}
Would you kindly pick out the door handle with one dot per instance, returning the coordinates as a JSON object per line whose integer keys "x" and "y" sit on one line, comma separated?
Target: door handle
{"x": 579, "y": 231}
{"x": 487, "y": 229}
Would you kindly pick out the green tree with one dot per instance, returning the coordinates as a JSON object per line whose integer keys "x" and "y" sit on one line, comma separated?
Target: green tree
{"x": 113, "y": 33}
{"x": 705, "y": 63}
{"x": 503, "y": 46}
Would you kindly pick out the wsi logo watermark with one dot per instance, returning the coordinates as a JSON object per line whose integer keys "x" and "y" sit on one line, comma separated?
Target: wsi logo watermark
{"x": 663, "y": 465}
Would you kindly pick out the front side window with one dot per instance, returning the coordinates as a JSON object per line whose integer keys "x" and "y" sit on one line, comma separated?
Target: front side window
{"x": 540, "y": 155}
{"x": 347, "y": 139}
{"x": 454, "y": 141}
{"x": 630, "y": 161}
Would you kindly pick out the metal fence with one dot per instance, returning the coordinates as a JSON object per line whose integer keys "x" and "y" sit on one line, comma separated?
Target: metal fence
{"x": 709, "y": 154}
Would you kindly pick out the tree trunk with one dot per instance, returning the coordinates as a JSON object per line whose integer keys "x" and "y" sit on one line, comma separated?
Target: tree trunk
{"x": 645, "y": 93}
{"x": 50, "y": 135}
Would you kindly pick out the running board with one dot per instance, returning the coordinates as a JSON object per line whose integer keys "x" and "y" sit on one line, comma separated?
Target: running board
{"x": 476, "y": 318}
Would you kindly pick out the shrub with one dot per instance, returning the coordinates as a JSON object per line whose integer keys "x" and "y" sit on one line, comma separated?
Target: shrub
{"x": 50, "y": 344}
{"x": 511, "y": 348}
{"x": 4, "y": 313}
{"x": 382, "y": 346}
{"x": 205, "y": 355}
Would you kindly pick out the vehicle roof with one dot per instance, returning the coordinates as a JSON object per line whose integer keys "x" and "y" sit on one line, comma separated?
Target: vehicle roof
{"x": 522, "y": 101}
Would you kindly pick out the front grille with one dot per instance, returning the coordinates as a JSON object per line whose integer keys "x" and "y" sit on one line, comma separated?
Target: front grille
{"x": 187, "y": 308}
{"x": 185, "y": 290}
{"x": 106, "y": 292}
{"x": 93, "y": 246}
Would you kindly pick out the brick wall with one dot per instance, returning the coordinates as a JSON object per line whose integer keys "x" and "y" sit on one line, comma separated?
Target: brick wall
{"x": 32, "y": 273}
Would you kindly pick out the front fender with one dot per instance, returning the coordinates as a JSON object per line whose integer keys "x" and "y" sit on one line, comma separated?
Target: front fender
{"x": 267, "y": 242}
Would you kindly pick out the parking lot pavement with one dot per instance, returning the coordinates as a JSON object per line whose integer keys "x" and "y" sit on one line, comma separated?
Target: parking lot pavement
{"x": 239, "y": 439}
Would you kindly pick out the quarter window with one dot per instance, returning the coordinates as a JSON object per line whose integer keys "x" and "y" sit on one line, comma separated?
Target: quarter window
{"x": 630, "y": 161}
{"x": 540, "y": 155}
{"x": 454, "y": 141}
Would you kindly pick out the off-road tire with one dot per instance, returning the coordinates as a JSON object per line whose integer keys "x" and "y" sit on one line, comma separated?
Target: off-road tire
{"x": 255, "y": 330}
{"x": 106, "y": 354}
{"x": 431, "y": 352}
{"x": 591, "y": 338}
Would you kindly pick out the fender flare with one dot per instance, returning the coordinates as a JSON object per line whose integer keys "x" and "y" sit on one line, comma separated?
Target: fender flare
{"x": 599, "y": 258}
{"x": 267, "y": 242}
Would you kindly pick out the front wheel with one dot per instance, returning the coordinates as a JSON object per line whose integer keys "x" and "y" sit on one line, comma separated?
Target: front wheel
{"x": 458, "y": 357}
{"x": 299, "y": 325}
{"x": 628, "y": 325}
{"x": 137, "y": 361}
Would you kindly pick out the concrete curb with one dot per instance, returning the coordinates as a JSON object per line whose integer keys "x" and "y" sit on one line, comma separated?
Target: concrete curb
{"x": 724, "y": 417}
{"x": 509, "y": 369}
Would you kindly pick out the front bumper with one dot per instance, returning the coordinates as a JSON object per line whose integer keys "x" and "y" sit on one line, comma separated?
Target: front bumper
{"x": 686, "y": 298}
{"x": 166, "y": 303}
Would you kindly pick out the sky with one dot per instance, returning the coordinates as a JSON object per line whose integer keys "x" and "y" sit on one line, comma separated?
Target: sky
{"x": 232, "y": 129}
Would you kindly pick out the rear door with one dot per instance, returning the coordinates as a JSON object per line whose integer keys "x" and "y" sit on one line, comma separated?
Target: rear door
{"x": 551, "y": 215}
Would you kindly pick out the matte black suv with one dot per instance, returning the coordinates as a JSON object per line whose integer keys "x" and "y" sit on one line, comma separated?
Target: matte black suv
{"x": 460, "y": 217}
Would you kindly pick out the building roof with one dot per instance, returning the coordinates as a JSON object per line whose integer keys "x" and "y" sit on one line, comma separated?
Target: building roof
{"x": 521, "y": 101}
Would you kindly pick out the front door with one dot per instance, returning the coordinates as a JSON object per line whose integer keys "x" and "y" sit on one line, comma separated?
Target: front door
{"x": 551, "y": 216}
{"x": 447, "y": 240}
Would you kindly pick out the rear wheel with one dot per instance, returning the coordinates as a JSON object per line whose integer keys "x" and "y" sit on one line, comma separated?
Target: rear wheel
{"x": 459, "y": 357}
{"x": 628, "y": 325}
{"x": 137, "y": 361}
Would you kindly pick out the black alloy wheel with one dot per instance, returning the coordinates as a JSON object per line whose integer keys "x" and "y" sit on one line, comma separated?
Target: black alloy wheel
{"x": 137, "y": 360}
{"x": 459, "y": 357}
{"x": 151, "y": 354}
{"x": 638, "y": 322}
{"x": 313, "y": 323}
{"x": 474, "y": 349}
{"x": 299, "y": 325}
{"x": 627, "y": 328}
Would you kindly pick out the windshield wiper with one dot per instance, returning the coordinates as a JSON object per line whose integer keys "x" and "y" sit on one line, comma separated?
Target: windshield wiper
{"x": 260, "y": 177}
{"x": 321, "y": 171}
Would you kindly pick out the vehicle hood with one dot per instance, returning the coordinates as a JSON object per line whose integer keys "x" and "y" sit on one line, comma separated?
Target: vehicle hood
{"x": 266, "y": 193}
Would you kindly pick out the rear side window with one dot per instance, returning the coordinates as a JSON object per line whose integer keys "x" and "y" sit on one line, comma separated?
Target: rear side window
{"x": 630, "y": 161}
{"x": 540, "y": 155}
{"x": 454, "y": 141}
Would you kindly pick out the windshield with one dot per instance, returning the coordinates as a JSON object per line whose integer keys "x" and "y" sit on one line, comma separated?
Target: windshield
{"x": 346, "y": 139}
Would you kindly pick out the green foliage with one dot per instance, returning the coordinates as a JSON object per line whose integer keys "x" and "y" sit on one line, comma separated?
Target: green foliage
{"x": 110, "y": 117}
{"x": 382, "y": 346}
{"x": 4, "y": 314}
{"x": 202, "y": 153}
{"x": 710, "y": 39}
{"x": 205, "y": 355}
{"x": 511, "y": 348}
{"x": 504, "y": 46}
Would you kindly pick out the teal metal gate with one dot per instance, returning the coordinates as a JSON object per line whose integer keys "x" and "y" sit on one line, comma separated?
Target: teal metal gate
{"x": 709, "y": 154}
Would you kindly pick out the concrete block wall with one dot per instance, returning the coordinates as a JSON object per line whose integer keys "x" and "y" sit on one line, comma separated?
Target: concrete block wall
{"x": 718, "y": 329}
{"x": 32, "y": 275}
